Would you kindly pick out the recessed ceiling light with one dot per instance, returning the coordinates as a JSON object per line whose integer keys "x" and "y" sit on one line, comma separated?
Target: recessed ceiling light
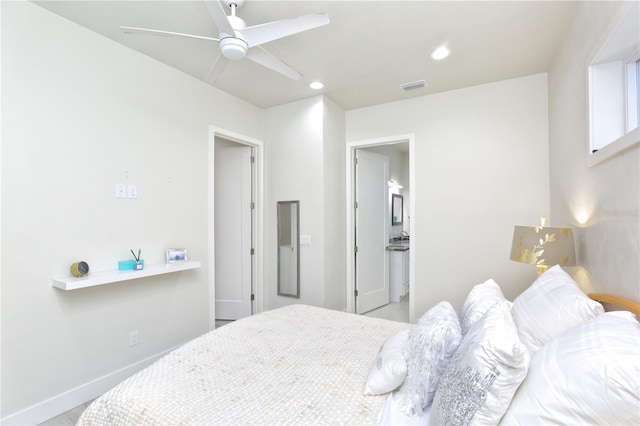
{"x": 440, "y": 53}
{"x": 316, "y": 85}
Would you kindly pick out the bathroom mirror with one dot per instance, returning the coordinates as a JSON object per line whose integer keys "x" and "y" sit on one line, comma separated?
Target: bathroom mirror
{"x": 288, "y": 248}
{"x": 396, "y": 209}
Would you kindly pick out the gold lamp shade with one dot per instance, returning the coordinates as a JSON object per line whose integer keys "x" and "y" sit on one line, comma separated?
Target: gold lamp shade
{"x": 543, "y": 246}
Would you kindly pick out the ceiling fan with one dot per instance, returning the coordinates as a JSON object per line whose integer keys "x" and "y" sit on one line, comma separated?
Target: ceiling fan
{"x": 237, "y": 41}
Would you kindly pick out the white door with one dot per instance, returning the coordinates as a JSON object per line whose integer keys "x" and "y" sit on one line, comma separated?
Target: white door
{"x": 372, "y": 230}
{"x": 233, "y": 233}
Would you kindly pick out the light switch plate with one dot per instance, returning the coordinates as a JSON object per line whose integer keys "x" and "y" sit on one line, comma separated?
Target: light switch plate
{"x": 120, "y": 190}
{"x": 133, "y": 191}
{"x": 305, "y": 240}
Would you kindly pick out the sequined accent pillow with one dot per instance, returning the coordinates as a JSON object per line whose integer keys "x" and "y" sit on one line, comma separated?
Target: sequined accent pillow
{"x": 479, "y": 300}
{"x": 435, "y": 338}
{"x": 587, "y": 375}
{"x": 390, "y": 368}
{"x": 484, "y": 373}
{"x": 553, "y": 304}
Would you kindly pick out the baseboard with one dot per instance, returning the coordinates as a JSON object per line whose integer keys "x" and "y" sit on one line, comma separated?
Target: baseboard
{"x": 72, "y": 398}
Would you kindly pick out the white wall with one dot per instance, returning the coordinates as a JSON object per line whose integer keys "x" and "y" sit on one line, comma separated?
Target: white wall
{"x": 335, "y": 295}
{"x": 294, "y": 170}
{"x": 304, "y": 160}
{"x": 481, "y": 160}
{"x": 81, "y": 113}
{"x": 602, "y": 202}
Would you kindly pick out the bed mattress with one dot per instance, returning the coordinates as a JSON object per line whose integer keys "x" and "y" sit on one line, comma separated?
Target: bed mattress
{"x": 293, "y": 365}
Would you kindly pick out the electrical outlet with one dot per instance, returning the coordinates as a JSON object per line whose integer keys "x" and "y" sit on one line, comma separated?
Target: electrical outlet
{"x": 134, "y": 338}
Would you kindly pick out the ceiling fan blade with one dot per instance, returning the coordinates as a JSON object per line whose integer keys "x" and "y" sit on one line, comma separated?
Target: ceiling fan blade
{"x": 216, "y": 69}
{"x": 219, "y": 16}
{"x": 132, "y": 30}
{"x": 264, "y": 58}
{"x": 260, "y": 34}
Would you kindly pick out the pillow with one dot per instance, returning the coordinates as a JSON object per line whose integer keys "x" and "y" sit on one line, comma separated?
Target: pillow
{"x": 391, "y": 414}
{"x": 484, "y": 373}
{"x": 587, "y": 375}
{"x": 390, "y": 367}
{"x": 479, "y": 300}
{"x": 552, "y": 304}
{"x": 431, "y": 344}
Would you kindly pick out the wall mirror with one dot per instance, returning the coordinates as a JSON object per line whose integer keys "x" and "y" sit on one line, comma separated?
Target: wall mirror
{"x": 288, "y": 249}
{"x": 396, "y": 209}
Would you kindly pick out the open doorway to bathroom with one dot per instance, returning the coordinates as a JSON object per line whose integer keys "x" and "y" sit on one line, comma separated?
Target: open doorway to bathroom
{"x": 388, "y": 254}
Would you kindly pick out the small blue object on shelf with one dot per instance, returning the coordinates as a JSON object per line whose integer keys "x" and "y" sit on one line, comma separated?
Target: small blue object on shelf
{"x": 130, "y": 265}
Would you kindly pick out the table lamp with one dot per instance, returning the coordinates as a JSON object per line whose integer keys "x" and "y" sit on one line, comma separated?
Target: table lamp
{"x": 543, "y": 246}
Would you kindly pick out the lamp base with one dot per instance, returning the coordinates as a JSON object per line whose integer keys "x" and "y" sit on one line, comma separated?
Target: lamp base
{"x": 540, "y": 269}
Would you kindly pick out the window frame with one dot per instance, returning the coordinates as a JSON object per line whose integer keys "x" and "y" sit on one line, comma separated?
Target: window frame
{"x": 614, "y": 89}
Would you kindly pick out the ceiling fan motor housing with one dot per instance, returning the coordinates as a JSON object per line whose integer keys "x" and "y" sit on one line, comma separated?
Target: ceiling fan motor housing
{"x": 233, "y": 48}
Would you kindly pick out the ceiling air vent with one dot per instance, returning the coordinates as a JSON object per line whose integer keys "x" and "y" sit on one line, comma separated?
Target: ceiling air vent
{"x": 413, "y": 85}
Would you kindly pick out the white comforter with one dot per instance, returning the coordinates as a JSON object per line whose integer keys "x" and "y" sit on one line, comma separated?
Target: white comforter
{"x": 294, "y": 365}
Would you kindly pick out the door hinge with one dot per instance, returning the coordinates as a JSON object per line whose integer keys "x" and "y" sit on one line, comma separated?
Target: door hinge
{"x": 355, "y": 162}
{"x": 355, "y": 204}
{"x": 253, "y": 159}
{"x": 253, "y": 251}
{"x": 253, "y": 297}
{"x": 355, "y": 293}
{"x": 253, "y": 205}
{"x": 355, "y": 249}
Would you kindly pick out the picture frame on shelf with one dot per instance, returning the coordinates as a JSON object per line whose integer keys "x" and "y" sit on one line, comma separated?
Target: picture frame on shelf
{"x": 176, "y": 255}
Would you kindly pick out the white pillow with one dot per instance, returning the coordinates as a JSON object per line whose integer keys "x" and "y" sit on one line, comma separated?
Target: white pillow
{"x": 552, "y": 304}
{"x": 587, "y": 375}
{"x": 483, "y": 374}
{"x": 431, "y": 344}
{"x": 390, "y": 368}
{"x": 391, "y": 414}
{"x": 479, "y": 300}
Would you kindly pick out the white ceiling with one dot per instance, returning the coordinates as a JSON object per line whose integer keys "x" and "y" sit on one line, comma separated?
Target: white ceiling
{"x": 363, "y": 56}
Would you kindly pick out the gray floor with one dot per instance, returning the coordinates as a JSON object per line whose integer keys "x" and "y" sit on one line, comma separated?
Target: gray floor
{"x": 392, "y": 311}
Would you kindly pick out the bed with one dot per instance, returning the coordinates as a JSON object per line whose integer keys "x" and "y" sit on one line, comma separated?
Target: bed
{"x": 536, "y": 359}
{"x": 294, "y": 365}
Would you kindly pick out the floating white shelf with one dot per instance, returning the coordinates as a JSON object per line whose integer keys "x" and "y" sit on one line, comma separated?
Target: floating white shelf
{"x": 107, "y": 277}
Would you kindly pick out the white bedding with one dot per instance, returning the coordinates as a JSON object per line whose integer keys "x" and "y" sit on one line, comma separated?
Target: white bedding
{"x": 293, "y": 365}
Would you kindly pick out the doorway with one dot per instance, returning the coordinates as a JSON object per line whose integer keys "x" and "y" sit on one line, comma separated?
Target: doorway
{"x": 235, "y": 237}
{"x": 356, "y": 272}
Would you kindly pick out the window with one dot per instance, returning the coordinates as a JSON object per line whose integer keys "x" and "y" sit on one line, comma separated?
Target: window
{"x": 633, "y": 93}
{"x": 614, "y": 88}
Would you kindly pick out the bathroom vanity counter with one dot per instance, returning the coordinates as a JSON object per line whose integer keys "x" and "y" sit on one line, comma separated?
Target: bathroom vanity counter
{"x": 398, "y": 271}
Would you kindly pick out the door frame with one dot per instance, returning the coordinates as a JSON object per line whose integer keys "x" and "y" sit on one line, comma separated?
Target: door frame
{"x": 351, "y": 148}
{"x": 257, "y": 226}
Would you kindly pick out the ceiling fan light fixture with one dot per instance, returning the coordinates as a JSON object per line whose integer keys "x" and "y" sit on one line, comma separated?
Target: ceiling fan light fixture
{"x": 233, "y": 48}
